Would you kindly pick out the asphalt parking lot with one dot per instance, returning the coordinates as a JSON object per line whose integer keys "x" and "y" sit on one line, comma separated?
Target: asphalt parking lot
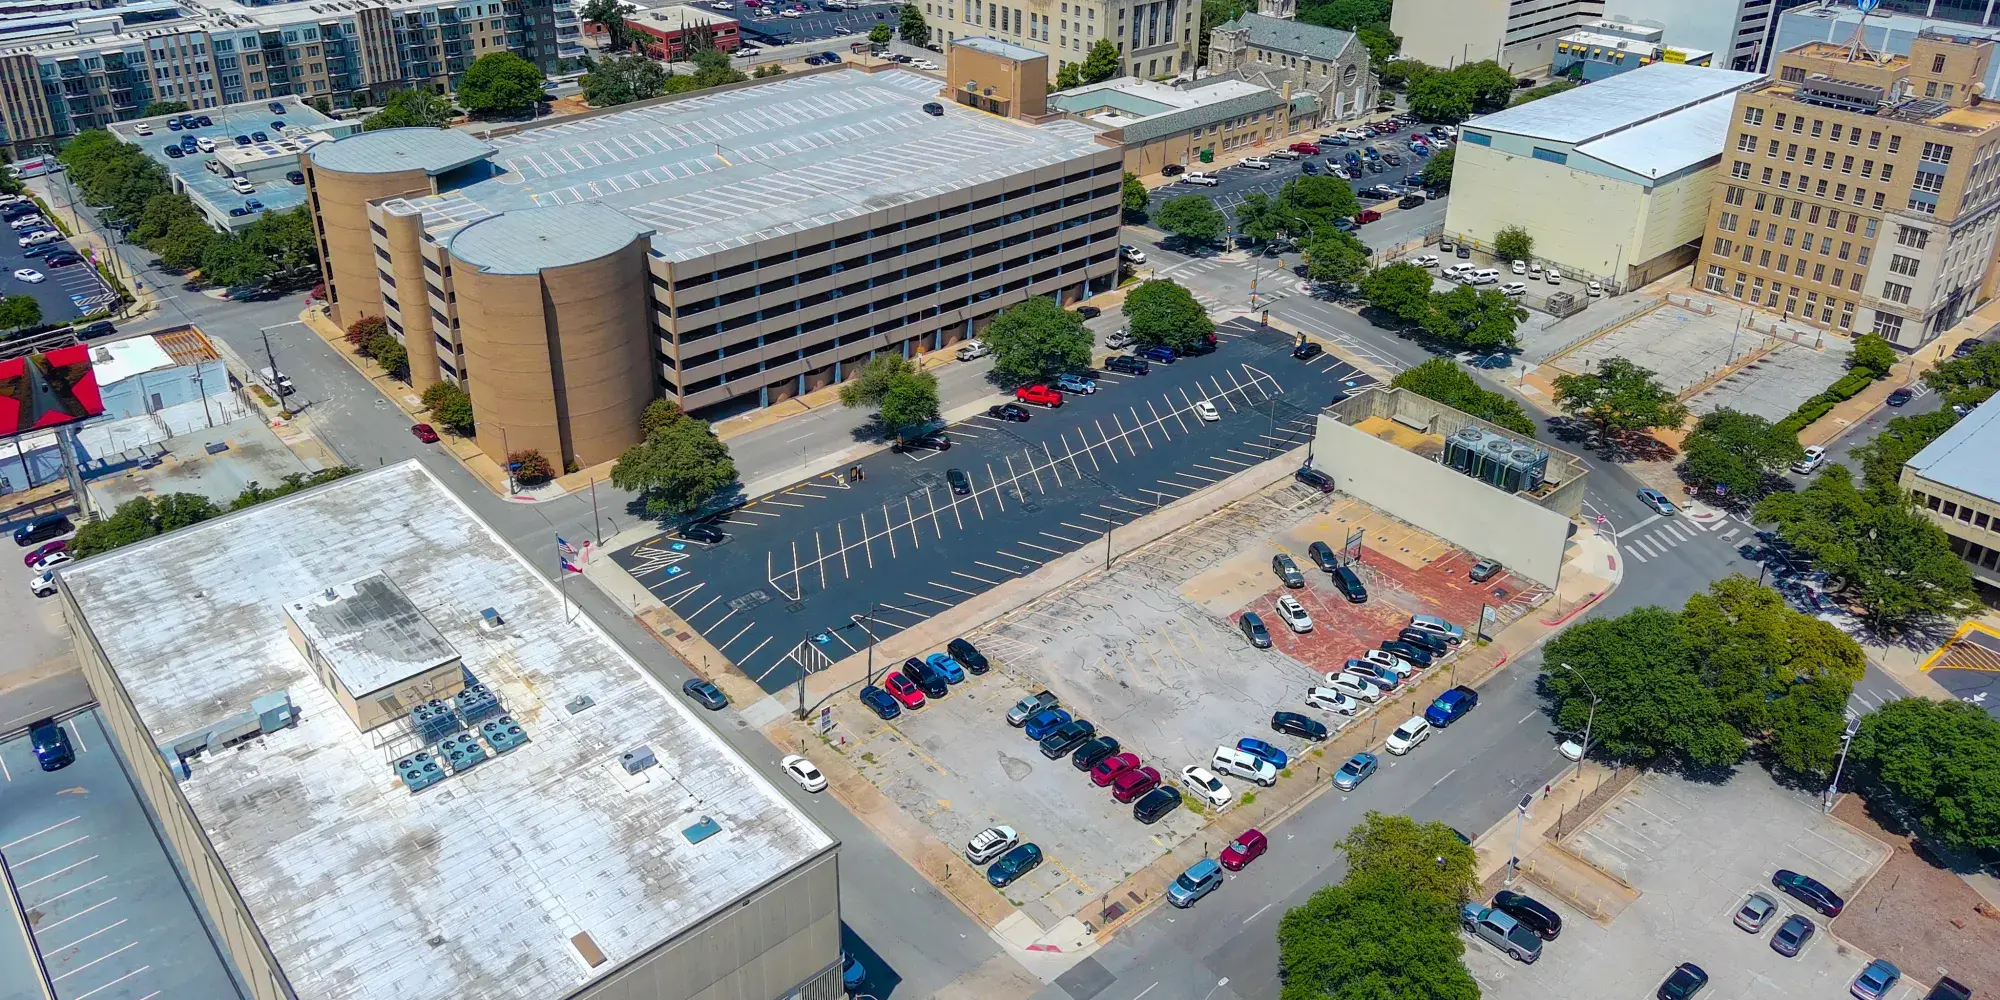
{"x": 814, "y": 24}
{"x": 64, "y": 294}
{"x": 109, "y": 915}
{"x": 1695, "y": 852}
{"x": 807, "y": 574}
{"x": 1238, "y": 182}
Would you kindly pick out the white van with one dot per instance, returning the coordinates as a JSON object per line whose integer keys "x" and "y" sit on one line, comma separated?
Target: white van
{"x": 1231, "y": 761}
{"x": 1484, "y": 276}
{"x": 1202, "y": 178}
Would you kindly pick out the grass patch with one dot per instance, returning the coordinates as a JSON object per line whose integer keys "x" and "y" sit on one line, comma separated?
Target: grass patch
{"x": 869, "y": 756}
{"x": 1286, "y": 773}
{"x": 1193, "y": 806}
{"x": 1249, "y": 798}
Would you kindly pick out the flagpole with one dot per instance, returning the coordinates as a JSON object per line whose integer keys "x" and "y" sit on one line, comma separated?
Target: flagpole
{"x": 562, "y": 570}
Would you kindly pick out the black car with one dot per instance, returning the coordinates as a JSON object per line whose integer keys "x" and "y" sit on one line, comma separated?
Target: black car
{"x": 1302, "y": 726}
{"x": 1966, "y": 347}
{"x": 1155, "y": 804}
{"x": 704, "y": 532}
{"x": 278, "y": 125}
{"x": 1287, "y": 571}
{"x": 710, "y": 696}
{"x": 934, "y": 109}
{"x": 1172, "y": 170}
{"x": 175, "y": 152}
{"x": 1413, "y": 653}
{"x": 1322, "y": 556}
{"x": 101, "y": 328}
{"x": 1349, "y": 585}
{"x": 1067, "y": 737}
{"x": 968, "y": 656}
{"x": 296, "y": 176}
{"x": 259, "y": 137}
{"x": 1463, "y": 252}
{"x": 935, "y": 441}
{"x": 1809, "y": 890}
{"x": 276, "y": 109}
{"x": 1089, "y": 312}
{"x": 1686, "y": 980}
{"x": 1127, "y": 364}
{"x": 930, "y": 682}
{"x": 1546, "y": 923}
{"x": 1429, "y": 640}
{"x": 1948, "y": 988}
{"x": 52, "y": 747}
{"x": 1088, "y": 755}
{"x": 1254, "y": 630}
{"x": 204, "y": 121}
{"x": 961, "y": 484}
{"x": 1410, "y": 201}
{"x": 1314, "y": 478}
{"x": 243, "y": 140}
{"x": 1007, "y": 411}
{"x": 62, "y": 258}
{"x": 1900, "y": 396}
{"x": 1307, "y": 351}
{"x": 42, "y": 529}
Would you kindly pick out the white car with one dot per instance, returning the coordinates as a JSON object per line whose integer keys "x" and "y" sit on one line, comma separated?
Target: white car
{"x": 241, "y": 185}
{"x": 924, "y": 64}
{"x": 1425, "y": 260}
{"x": 1384, "y": 658}
{"x": 1520, "y": 267}
{"x": 973, "y": 350}
{"x": 1132, "y": 254}
{"x": 1571, "y": 749}
{"x": 1535, "y": 270}
{"x": 1513, "y": 289}
{"x": 43, "y": 584}
{"x": 1283, "y": 154}
{"x": 1341, "y": 172}
{"x": 143, "y": 129}
{"x": 990, "y": 843}
{"x": 1207, "y": 411}
{"x": 205, "y": 144}
{"x": 803, "y": 772}
{"x": 1407, "y": 736}
{"x": 50, "y": 561}
{"x": 1355, "y": 688}
{"x": 1254, "y": 163}
{"x": 1294, "y": 615}
{"x": 37, "y": 239}
{"x": 1202, "y": 782}
{"x": 29, "y": 275}
{"x": 722, "y": 5}
{"x": 1328, "y": 700}
{"x": 28, "y": 221}
{"x": 1554, "y": 276}
{"x": 790, "y": 13}
{"x": 1815, "y": 454}
{"x": 1596, "y": 289}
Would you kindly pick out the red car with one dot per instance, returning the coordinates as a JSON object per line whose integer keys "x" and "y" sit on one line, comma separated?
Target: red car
{"x": 1108, "y": 769}
{"x": 904, "y": 690}
{"x": 1243, "y": 850}
{"x": 424, "y": 433}
{"x": 60, "y": 544}
{"x": 1134, "y": 783}
{"x": 1039, "y": 394}
{"x": 1308, "y": 148}
{"x": 1367, "y": 216}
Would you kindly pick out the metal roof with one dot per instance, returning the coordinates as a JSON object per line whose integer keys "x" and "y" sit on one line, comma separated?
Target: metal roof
{"x": 475, "y": 886}
{"x": 1293, "y": 37}
{"x": 999, "y": 47}
{"x": 1966, "y": 457}
{"x": 392, "y": 150}
{"x": 1665, "y": 146}
{"x": 531, "y": 239}
{"x": 1616, "y": 103}
{"x": 1158, "y": 110}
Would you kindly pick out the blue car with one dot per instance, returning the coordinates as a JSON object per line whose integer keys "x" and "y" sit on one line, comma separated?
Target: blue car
{"x": 1045, "y": 723}
{"x": 1075, "y": 383}
{"x": 1876, "y": 980}
{"x": 852, "y": 973}
{"x": 880, "y": 702}
{"x": 1354, "y": 772}
{"x": 1199, "y": 880}
{"x": 944, "y": 664}
{"x": 1012, "y": 865}
{"x": 52, "y": 747}
{"x": 1262, "y": 751}
{"x": 1162, "y": 354}
{"x": 1451, "y": 706}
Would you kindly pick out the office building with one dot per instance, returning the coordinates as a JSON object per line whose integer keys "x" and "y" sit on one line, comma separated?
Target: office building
{"x": 1613, "y": 180}
{"x": 724, "y": 250}
{"x": 1860, "y": 190}
{"x": 1608, "y": 48}
{"x": 1883, "y": 30}
{"x": 1156, "y": 39}
{"x": 391, "y": 761}
{"x": 1736, "y": 31}
{"x": 1518, "y": 34}
{"x": 104, "y": 66}
{"x": 665, "y": 32}
{"x": 1188, "y": 125}
{"x": 1956, "y": 481}
{"x": 1326, "y": 67}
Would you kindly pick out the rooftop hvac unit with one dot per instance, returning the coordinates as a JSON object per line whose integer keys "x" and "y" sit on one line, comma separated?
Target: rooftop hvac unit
{"x": 475, "y": 702}
{"x": 1496, "y": 459}
{"x": 461, "y": 751}
{"x": 503, "y": 734}
{"x": 434, "y": 720}
{"x": 419, "y": 771}
{"x": 638, "y": 759}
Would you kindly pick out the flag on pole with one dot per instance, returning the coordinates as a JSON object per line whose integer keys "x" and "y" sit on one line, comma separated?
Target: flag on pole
{"x": 564, "y": 551}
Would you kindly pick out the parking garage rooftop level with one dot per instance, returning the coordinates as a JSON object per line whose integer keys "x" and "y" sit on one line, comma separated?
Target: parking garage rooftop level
{"x": 502, "y": 881}
{"x": 303, "y": 125}
{"x": 526, "y": 241}
{"x": 394, "y": 150}
{"x": 725, "y": 169}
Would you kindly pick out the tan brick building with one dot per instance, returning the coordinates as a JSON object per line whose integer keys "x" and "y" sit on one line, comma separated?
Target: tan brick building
{"x": 1860, "y": 192}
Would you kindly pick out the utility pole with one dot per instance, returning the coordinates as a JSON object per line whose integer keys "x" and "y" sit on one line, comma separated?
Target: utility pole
{"x": 1833, "y": 787}
{"x": 272, "y": 360}
{"x": 596, "y": 526}
{"x": 1588, "y": 721}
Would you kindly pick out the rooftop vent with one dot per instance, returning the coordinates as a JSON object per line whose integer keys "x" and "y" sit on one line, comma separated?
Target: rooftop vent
{"x": 490, "y": 619}
{"x": 638, "y": 759}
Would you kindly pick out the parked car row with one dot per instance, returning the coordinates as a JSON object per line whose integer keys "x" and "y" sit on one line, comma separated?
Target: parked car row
{"x": 919, "y": 679}
{"x": 50, "y": 535}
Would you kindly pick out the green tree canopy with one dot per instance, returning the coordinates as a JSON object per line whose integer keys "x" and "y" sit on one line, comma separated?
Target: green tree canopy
{"x": 451, "y": 407}
{"x": 1102, "y": 62}
{"x": 256, "y": 493}
{"x": 1382, "y": 44}
{"x": 1136, "y": 197}
{"x": 1397, "y": 74}
{"x": 1426, "y": 856}
{"x": 1336, "y": 258}
{"x": 531, "y": 467}
{"x": 1651, "y": 703}
{"x": 1619, "y": 397}
{"x": 500, "y": 83}
{"x": 1069, "y": 76}
{"x": 1549, "y": 89}
{"x": 1513, "y": 243}
{"x": 609, "y": 16}
{"x": 1191, "y": 217}
{"x": 1441, "y": 98}
{"x": 410, "y": 109}
{"x": 1489, "y": 83}
{"x": 1037, "y": 339}
{"x": 911, "y": 25}
{"x": 18, "y": 311}
{"x": 1402, "y": 290}
{"x": 1738, "y": 451}
{"x": 676, "y": 469}
{"x": 1161, "y": 312}
{"x": 1939, "y": 763}
{"x": 1880, "y": 553}
{"x": 1305, "y": 205}
{"x": 139, "y": 519}
{"x": 659, "y": 413}
{"x": 1255, "y": 219}
{"x": 912, "y": 399}
{"x": 1872, "y": 354}
{"x": 870, "y": 386}
{"x": 1882, "y": 457}
{"x": 163, "y": 108}
{"x": 1968, "y": 381}
{"x": 1447, "y": 382}
{"x": 1474, "y": 319}
{"x": 622, "y": 80}
{"x": 881, "y": 33}
{"x": 1436, "y": 174}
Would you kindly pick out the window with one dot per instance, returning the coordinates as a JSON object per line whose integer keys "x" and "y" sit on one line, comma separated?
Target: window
{"x": 1726, "y": 222}
{"x": 1753, "y": 116}
{"x": 1847, "y": 164}
{"x": 1732, "y": 195}
{"x": 1554, "y": 157}
{"x": 1791, "y": 152}
{"x": 1895, "y": 143}
{"x": 1739, "y": 170}
{"x": 1764, "y": 259}
{"x": 1760, "y": 202}
{"x": 1781, "y": 121}
{"x": 1746, "y": 143}
{"x": 1819, "y": 272}
{"x": 1816, "y": 127}
{"x": 1784, "y": 262}
{"x": 1716, "y": 275}
{"x": 1906, "y": 266}
{"x": 1767, "y": 175}
{"x": 1937, "y": 63}
{"x": 1927, "y": 181}
{"x": 1936, "y": 152}
{"x": 1833, "y": 135}
{"x": 1861, "y": 257}
{"x": 1888, "y": 170}
{"x": 1896, "y": 293}
{"x": 1888, "y": 325}
{"x": 1772, "y": 150}
{"x": 1812, "y": 156}
{"x": 1790, "y": 233}
{"x": 1911, "y": 236}
{"x": 1846, "y": 315}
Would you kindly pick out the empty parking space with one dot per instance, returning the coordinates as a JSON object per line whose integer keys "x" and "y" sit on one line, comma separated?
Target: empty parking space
{"x": 108, "y": 914}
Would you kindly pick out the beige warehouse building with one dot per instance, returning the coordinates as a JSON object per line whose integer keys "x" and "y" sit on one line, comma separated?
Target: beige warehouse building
{"x": 391, "y": 762}
{"x": 726, "y": 250}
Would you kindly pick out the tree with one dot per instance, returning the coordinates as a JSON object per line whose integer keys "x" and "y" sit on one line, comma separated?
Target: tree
{"x": 912, "y": 400}
{"x": 1255, "y": 219}
{"x": 1650, "y": 701}
{"x": 1397, "y": 74}
{"x": 1883, "y": 456}
{"x": 1489, "y": 84}
{"x": 500, "y": 83}
{"x": 1968, "y": 381}
{"x": 410, "y": 109}
{"x": 450, "y": 406}
{"x": 1037, "y": 339}
{"x": 1880, "y": 553}
{"x": 1436, "y": 174}
{"x": 19, "y": 311}
{"x": 622, "y": 80}
{"x": 1442, "y": 379}
{"x": 768, "y": 70}
{"x": 1549, "y": 89}
{"x": 365, "y": 329}
{"x": 1619, "y": 397}
{"x": 1336, "y": 258}
{"x": 185, "y": 245}
{"x": 872, "y": 384}
{"x": 1441, "y": 98}
{"x": 531, "y": 467}
{"x": 1306, "y": 205}
{"x": 1513, "y": 243}
{"x": 911, "y": 26}
{"x": 1160, "y": 312}
{"x": 1136, "y": 197}
{"x": 1402, "y": 290}
{"x": 158, "y": 108}
{"x": 178, "y": 510}
{"x": 1474, "y": 319}
{"x": 881, "y": 33}
{"x": 1428, "y": 857}
{"x": 139, "y": 519}
{"x": 1739, "y": 452}
{"x": 1939, "y": 763}
{"x": 676, "y": 469}
{"x": 235, "y": 263}
{"x": 1873, "y": 355}
{"x": 659, "y": 413}
{"x": 1069, "y": 76}
{"x": 1382, "y": 44}
{"x": 391, "y": 355}
{"x": 1191, "y": 217}
{"x": 609, "y": 16}
{"x": 1102, "y": 62}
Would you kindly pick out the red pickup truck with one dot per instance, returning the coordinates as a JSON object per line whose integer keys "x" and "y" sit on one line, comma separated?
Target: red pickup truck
{"x": 1040, "y": 395}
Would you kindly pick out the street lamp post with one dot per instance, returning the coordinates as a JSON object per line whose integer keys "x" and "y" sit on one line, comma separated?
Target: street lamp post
{"x": 1588, "y": 721}
{"x": 1833, "y": 787}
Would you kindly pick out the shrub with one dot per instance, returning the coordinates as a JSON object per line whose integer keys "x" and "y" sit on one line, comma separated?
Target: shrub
{"x": 365, "y": 329}
{"x": 450, "y": 406}
{"x": 531, "y": 468}
{"x": 1843, "y": 388}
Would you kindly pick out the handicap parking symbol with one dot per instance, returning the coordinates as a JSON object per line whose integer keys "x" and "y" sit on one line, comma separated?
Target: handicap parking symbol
{"x": 823, "y": 638}
{"x": 674, "y": 570}
{"x": 678, "y": 546}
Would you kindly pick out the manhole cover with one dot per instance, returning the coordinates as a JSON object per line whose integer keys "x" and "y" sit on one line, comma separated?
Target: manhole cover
{"x": 755, "y": 598}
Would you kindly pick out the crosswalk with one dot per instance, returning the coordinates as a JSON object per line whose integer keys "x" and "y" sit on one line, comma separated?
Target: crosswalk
{"x": 1650, "y": 539}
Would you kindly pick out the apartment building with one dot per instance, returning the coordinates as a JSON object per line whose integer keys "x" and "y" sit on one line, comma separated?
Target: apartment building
{"x": 102, "y": 67}
{"x": 1518, "y": 34}
{"x": 1861, "y": 192}
{"x": 1956, "y": 482}
{"x": 724, "y": 250}
{"x": 1156, "y": 38}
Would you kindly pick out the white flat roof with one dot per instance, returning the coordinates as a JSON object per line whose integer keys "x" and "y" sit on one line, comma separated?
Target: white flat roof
{"x": 121, "y": 359}
{"x": 475, "y": 886}
{"x": 1619, "y": 102}
{"x": 1664, "y": 145}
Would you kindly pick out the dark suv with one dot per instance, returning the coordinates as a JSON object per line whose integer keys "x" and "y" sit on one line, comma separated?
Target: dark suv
{"x": 52, "y": 747}
{"x": 1155, "y": 804}
{"x": 42, "y": 529}
{"x": 1349, "y": 585}
{"x": 1323, "y": 557}
{"x": 1127, "y": 364}
{"x": 1314, "y": 478}
{"x": 1546, "y": 923}
{"x": 931, "y": 682}
{"x": 968, "y": 654}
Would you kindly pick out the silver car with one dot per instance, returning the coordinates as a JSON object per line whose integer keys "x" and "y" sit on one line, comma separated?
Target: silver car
{"x": 1755, "y": 912}
{"x": 990, "y": 843}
